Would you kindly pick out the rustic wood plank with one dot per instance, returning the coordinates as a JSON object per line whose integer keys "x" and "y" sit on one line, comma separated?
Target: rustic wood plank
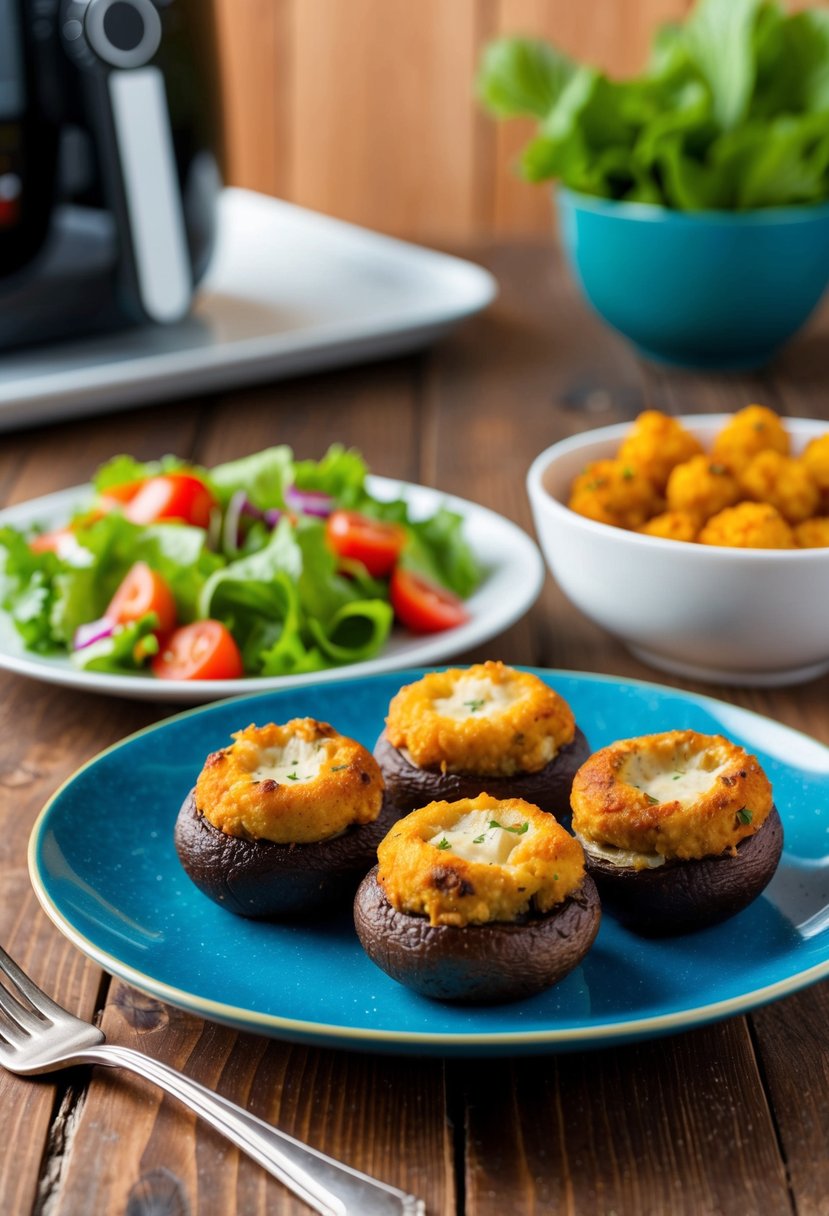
{"x": 792, "y": 1045}
{"x": 360, "y": 1109}
{"x": 677, "y": 1126}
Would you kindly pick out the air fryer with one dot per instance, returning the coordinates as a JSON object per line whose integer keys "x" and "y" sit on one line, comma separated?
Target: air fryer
{"x": 109, "y": 178}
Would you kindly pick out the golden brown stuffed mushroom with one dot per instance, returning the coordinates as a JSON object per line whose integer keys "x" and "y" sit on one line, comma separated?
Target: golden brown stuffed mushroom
{"x": 454, "y": 734}
{"x": 477, "y": 900}
{"x": 679, "y": 829}
{"x": 284, "y": 820}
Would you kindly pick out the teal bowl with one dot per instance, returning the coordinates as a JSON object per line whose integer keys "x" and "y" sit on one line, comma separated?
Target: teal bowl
{"x": 714, "y": 289}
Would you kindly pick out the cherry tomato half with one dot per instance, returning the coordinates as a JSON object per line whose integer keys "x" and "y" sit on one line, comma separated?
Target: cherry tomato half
{"x": 143, "y": 591}
{"x": 204, "y": 650}
{"x": 58, "y": 541}
{"x": 422, "y": 606}
{"x": 371, "y": 541}
{"x": 116, "y": 496}
{"x": 171, "y": 496}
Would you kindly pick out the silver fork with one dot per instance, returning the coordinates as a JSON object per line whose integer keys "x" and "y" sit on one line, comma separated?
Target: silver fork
{"x": 38, "y": 1036}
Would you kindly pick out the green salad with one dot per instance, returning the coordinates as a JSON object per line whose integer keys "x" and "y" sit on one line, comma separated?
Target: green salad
{"x": 264, "y": 566}
{"x": 732, "y": 111}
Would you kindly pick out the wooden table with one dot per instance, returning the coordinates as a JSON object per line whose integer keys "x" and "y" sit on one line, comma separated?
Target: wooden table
{"x": 731, "y": 1119}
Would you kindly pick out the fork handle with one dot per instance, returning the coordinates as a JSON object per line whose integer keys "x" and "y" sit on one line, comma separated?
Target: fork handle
{"x": 328, "y": 1186}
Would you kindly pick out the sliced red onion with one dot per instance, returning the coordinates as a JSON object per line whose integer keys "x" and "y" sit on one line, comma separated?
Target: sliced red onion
{"x": 231, "y": 533}
{"x": 309, "y": 502}
{"x": 91, "y": 632}
{"x": 272, "y": 517}
{"x": 249, "y": 509}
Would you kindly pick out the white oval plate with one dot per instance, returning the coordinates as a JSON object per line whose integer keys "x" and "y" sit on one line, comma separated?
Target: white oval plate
{"x": 514, "y": 574}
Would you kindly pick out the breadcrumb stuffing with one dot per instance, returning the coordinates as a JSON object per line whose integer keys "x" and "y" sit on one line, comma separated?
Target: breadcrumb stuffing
{"x": 291, "y": 784}
{"x": 488, "y": 719}
{"x": 423, "y": 873}
{"x": 678, "y": 794}
{"x": 749, "y": 525}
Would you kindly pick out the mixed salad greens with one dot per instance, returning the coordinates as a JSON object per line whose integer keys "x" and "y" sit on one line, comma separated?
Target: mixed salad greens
{"x": 263, "y": 566}
{"x": 732, "y": 111}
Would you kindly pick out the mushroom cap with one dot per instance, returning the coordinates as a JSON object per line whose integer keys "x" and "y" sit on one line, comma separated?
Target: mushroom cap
{"x": 260, "y": 879}
{"x": 476, "y": 964}
{"x": 681, "y": 895}
{"x": 410, "y": 787}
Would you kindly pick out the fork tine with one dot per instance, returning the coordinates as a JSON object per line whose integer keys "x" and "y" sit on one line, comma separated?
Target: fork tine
{"x": 23, "y": 984}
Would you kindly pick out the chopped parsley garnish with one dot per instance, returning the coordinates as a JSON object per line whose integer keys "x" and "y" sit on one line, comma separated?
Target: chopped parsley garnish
{"x": 479, "y": 839}
{"x": 338, "y": 768}
{"x": 474, "y": 706}
{"x": 628, "y": 474}
{"x": 677, "y": 776}
{"x": 292, "y": 776}
{"x": 653, "y": 801}
{"x": 744, "y": 815}
{"x": 444, "y": 844}
{"x": 519, "y": 831}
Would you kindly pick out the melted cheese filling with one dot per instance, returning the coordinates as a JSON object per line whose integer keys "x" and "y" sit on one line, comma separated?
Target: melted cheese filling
{"x": 684, "y": 781}
{"x": 474, "y": 837}
{"x": 298, "y": 761}
{"x": 624, "y": 858}
{"x": 475, "y": 697}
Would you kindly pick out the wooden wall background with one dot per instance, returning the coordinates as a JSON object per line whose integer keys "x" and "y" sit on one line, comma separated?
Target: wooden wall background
{"x": 364, "y": 109}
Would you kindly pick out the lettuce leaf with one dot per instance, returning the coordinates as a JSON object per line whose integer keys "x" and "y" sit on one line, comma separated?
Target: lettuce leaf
{"x": 731, "y": 112}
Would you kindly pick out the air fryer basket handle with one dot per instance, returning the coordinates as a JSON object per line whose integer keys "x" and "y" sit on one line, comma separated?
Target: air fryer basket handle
{"x": 127, "y": 103}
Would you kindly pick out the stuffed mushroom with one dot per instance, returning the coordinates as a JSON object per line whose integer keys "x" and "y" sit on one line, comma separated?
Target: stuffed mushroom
{"x": 479, "y": 900}
{"x": 285, "y": 820}
{"x": 679, "y": 829}
{"x": 457, "y": 733}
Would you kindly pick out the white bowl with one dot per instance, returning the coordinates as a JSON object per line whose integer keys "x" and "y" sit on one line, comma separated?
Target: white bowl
{"x": 735, "y": 616}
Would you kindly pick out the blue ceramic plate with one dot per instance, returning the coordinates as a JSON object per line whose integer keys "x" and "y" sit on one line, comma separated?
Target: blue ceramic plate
{"x": 103, "y": 865}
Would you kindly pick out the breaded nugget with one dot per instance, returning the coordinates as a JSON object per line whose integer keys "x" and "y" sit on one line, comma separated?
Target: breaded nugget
{"x": 701, "y": 487}
{"x": 657, "y": 443}
{"x": 672, "y": 525}
{"x": 751, "y": 430}
{"x": 782, "y": 481}
{"x": 616, "y": 493}
{"x": 749, "y": 525}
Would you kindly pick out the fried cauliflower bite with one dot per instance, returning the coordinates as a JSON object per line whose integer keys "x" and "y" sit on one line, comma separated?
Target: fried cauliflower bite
{"x": 478, "y": 860}
{"x": 487, "y": 719}
{"x": 749, "y": 525}
{"x": 782, "y": 481}
{"x": 672, "y": 525}
{"x": 701, "y": 487}
{"x": 815, "y": 457}
{"x": 613, "y": 492}
{"x": 678, "y": 794}
{"x": 290, "y": 784}
{"x": 751, "y": 430}
{"x": 813, "y": 533}
{"x": 656, "y": 444}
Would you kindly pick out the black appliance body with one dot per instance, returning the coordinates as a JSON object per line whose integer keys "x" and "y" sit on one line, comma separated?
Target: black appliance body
{"x": 109, "y": 163}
